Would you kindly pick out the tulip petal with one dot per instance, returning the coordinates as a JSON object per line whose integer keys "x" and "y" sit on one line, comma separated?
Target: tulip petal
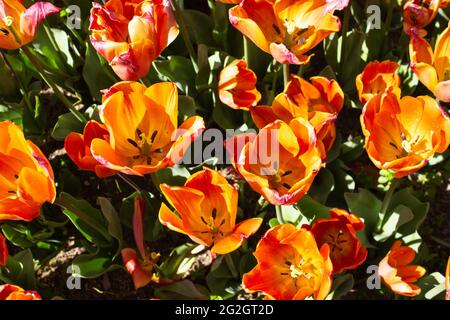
{"x": 3, "y": 251}
{"x": 242, "y": 231}
{"x": 34, "y": 15}
{"x": 131, "y": 262}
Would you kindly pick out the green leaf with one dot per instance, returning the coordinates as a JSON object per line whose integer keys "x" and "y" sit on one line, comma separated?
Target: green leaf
{"x": 94, "y": 265}
{"x": 311, "y": 209}
{"x": 179, "y": 70}
{"x": 366, "y": 206}
{"x": 394, "y": 221}
{"x": 88, "y": 220}
{"x": 291, "y": 214}
{"x": 433, "y": 287}
{"x": 20, "y": 270}
{"x": 200, "y": 27}
{"x": 112, "y": 217}
{"x": 170, "y": 267}
{"x": 341, "y": 286}
{"x": 183, "y": 290}
{"x": 186, "y": 107}
{"x": 15, "y": 237}
{"x": 66, "y": 124}
{"x": 323, "y": 185}
{"x": 96, "y": 73}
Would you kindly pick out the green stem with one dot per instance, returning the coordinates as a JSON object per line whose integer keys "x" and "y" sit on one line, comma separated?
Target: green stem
{"x": 344, "y": 33}
{"x": 286, "y": 72}
{"x": 441, "y": 242}
{"x": 52, "y": 85}
{"x": 184, "y": 33}
{"x": 130, "y": 182}
{"x": 231, "y": 266}
{"x": 279, "y": 215}
{"x": 22, "y": 86}
{"x": 386, "y": 201}
{"x": 246, "y": 54}
{"x": 387, "y": 25}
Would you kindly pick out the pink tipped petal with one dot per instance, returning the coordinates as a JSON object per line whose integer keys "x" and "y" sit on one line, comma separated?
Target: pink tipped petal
{"x": 34, "y": 15}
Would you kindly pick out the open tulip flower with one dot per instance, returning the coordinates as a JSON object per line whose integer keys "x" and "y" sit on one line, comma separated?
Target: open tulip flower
{"x": 25, "y": 173}
{"x": 3, "y": 251}
{"x": 237, "y": 86}
{"x": 287, "y": 29}
{"x": 318, "y": 101}
{"x": 78, "y": 148}
{"x": 432, "y": 68}
{"x": 419, "y": 13}
{"x": 290, "y": 265}
{"x": 18, "y": 25}
{"x": 143, "y": 128}
{"x": 397, "y": 272}
{"x": 130, "y": 34}
{"x": 12, "y": 292}
{"x": 281, "y": 162}
{"x": 403, "y": 134}
{"x": 207, "y": 208}
{"x": 339, "y": 232}
{"x": 376, "y": 78}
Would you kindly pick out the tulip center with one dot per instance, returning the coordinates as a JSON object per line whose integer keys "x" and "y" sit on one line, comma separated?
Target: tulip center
{"x": 210, "y": 223}
{"x": 144, "y": 144}
{"x": 336, "y": 241}
{"x": 276, "y": 180}
{"x": 301, "y": 270}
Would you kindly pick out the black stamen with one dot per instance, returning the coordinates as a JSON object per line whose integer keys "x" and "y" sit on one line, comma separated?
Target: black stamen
{"x": 286, "y": 186}
{"x": 203, "y": 220}
{"x": 133, "y": 143}
{"x": 152, "y": 138}
{"x": 286, "y": 173}
{"x": 275, "y": 27}
{"x": 214, "y": 213}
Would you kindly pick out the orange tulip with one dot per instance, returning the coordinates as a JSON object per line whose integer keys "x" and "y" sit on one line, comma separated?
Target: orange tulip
{"x": 318, "y": 101}
{"x": 143, "y": 127}
{"x": 280, "y": 163}
{"x": 3, "y": 251}
{"x": 25, "y": 174}
{"x": 141, "y": 271}
{"x": 229, "y": 1}
{"x": 339, "y": 232}
{"x": 290, "y": 265}
{"x": 287, "y": 29}
{"x": 419, "y": 13}
{"x": 376, "y": 78}
{"x": 12, "y": 292}
{"x": 18, "y": 25}
{"x": 130, "y": 34}
{"x": 403, "y": 134}
{"x": 78, "y": 148}
{"x": 447, "y": 280}
{"x": 397, "y": 273}
{"x": 237, "y": 86}
{"x": 207, "y": 207}
{"x": 432, "y": 69}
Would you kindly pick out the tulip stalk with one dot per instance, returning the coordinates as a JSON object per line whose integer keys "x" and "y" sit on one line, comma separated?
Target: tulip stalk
{"x": 286, "y": 72}
{"x": 386, "y": 201}
{"x": 344, "y": 33}
{"x": 52, "y": 85}
{"x": 184, "y": 33}
{"x": 246, "y": 53}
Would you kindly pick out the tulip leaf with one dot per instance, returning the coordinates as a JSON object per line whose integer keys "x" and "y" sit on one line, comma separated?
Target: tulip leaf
{"x": 66, "y": 124}
{"x": 393, "y": 222}
{"x": 20, "y": 270}
{"x": 311, "y": 209}
{"x": 170, "y": 267}
{"x": 179, "y": 70}
{"x": 88, "y": 220}
{"x": 200, "y": 27}
{"x": 341, "y": 286}
{"x": 323, "y": 185}
{"x": 291, "y": 214}
{"x": 366, "y": 206}
{"x": 16, "y": 237}
{"x": 96, "y": 73}
{"x": 432, "y": 285}
{"x": 93, "y": 265}
{"x": 186, "y": 107}
{"x": 114, "y": 225}
{"x": 182, "y": 290}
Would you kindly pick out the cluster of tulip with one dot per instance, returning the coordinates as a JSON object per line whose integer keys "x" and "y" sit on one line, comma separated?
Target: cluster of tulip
{"x": 139, "y": 134}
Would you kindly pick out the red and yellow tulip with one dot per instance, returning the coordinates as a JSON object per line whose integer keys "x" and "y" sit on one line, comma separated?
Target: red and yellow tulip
{"x": 318, "y": 101}
{"x": 143, "y": 128}
{"x": 237, "y": 86}
{"x": 281, "y": 162}
{"x": 207, "y": 208}
{"x": 18, "y": 25}
{"x": 130, "y": 34}
{"x": 12, "y": 292}
{"x": 287, "y": 29}
{"x": 290, "y": 265}
{"x": 3, "y": 251}
{"x": 25, "y": 174}
{"x": 432, "y": 68}
{"x": 403, "y": 134}
{"x": 376, "y": 78}
{"x": 78, "y": 148}
{"x": 397, "y": 272}
{"x": 419, "y": 13}
{"x": 339, "y": 232}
